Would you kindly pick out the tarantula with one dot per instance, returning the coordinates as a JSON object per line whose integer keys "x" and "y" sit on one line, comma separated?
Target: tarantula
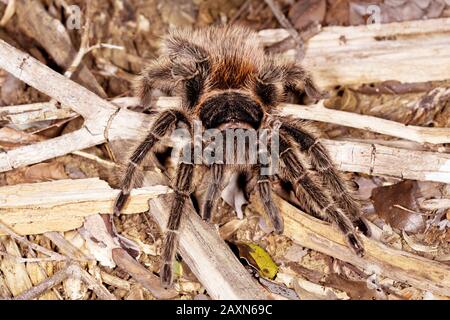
{"x": 226, "y": 79}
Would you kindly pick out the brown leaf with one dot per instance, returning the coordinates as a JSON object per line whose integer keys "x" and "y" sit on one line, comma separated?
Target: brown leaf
{"x": 435, "y": 9}
{"x": 306, "y": 12}
{"x": 11, "y": 138}
{"x": 357, "y": 290}
{"x": 337, "y": 13}
{"x": 45, "y": 172}
{"x": 398, "y": 206}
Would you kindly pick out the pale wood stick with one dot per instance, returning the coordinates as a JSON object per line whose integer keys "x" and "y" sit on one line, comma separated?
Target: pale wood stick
{"x": 28, "y": 113}
{"x": 47, "y": 149}
{"x": 65, "y": 205}
{"x": 381, "y": 259}
{"x": 6, "y": 230}
{"x": 94, "y": 109}
{"x": 435, "y": 204}
{"x": 115, "y": 281}
{"x": 41, "y": 111}
{"x": 27, "y": 260}
{"x": 318, "y": 112}
{"x": 95, "y": 158}
{"x": 364, "y": 54}
{"x": 381, "y": 160}
{"x": 66, "y": 247}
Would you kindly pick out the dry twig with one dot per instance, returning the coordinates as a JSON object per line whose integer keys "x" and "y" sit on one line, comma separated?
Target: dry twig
{"x": 285, "y": 23}
{"x": 71, "y": 271}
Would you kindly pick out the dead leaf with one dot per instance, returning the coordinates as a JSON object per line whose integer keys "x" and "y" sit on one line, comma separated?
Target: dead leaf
{"x": 356, "y": 290}
{"x": 305, "y": 12}
{"x": 278, "y": 289}
{"x": 337, "y": 13}
{"x": 45, "y": 172}
{"x": 414, "y": 244}
{"x": 258, "y": 258}
{"x": 398, "y": 206}
{"x": 11, "y": 138}
{"x": 99, "y": 240}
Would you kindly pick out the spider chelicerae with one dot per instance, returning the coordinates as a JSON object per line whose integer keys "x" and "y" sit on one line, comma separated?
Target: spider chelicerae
{"x": 226, "y": 80}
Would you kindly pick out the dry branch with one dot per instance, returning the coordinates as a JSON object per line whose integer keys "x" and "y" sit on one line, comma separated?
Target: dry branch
{"x": 410, "y": 51}
{"x": 381, "y": 259}
{"x": 380, "y": 160}
{"x": 414, "y": 133}
{"x": 285, "y": 23}
{"x": 49, "y": 149}
{"x": 65, "y": 205}
{"x": 435, "y": 204}
{"x": 28, "y": 113}
{"x": 6, "y": 230}
{"x": 51, "y": 34}
{"x": 55, "y": 85}
{"x": 66, "y": 247}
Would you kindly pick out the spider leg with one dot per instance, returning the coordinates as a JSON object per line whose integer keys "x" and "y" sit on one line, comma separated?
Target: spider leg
{"x": 323, "y": 164}
{"x": 304, "y": 184}
{"x": 182, "y": 187}
{"x": 213, "y": 192}
{"x": 297, "y": 79}
{"x": 265, "y": 195}
{"x": 164, "y": 123}
{"x": 156, "y": 75}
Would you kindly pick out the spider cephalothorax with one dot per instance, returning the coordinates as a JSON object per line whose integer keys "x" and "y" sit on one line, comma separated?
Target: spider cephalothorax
{"x": 226, "y": 80}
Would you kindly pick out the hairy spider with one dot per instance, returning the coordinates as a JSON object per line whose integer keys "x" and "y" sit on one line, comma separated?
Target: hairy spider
{"x": 226, "y": 80}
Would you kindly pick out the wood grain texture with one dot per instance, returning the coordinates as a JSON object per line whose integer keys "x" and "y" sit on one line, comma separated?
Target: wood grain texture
{"x": 410, "y": 51}
{"x": 65, "y": 205}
